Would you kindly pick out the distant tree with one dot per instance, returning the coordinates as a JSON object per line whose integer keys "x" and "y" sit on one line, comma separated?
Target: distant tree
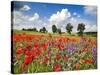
{"x": 44, "y": 29}
{"x": 54, "y": 28}
{"x": 40, "y": 30}
{"x": 69, "y": 28}
{"x": 23, "y": 29}
{"x": 35, "y": 30}
{"x": 59, "y": 31}
{"x": 81, "y": 28}
{"x": 30, "y": 29}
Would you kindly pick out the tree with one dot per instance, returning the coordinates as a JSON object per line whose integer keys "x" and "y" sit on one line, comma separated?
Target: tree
{"x": 59, "y": 31}
{"x": 44, "y": 29}
{"x": 35, "y": 30}
{"x": 81, "y": 28}
{"x": 40, "y": 30}
{"x": 69, "y": 28}
{"x": 54, "y": 28}
{"x": 23, "y": 29}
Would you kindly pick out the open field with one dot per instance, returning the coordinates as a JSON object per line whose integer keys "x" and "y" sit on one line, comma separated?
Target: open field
{"x": 44, "y": 52}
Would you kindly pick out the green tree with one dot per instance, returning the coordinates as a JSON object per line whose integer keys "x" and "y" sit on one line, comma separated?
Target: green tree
{"x": 35, "y": 30}
{"x": 40, "y": 30}
{"x": 54, "y": 28}
{"x": 44, "y": 29}
{"x": 80, "y": 29}
{"x": 69, "y": 28}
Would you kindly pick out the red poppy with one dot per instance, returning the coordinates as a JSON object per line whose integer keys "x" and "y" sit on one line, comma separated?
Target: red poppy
{"x": 28, "y": 47}
{"x": 57, "y": 67}
{"x": 61, "y": 47}
{"x": 46, "y": 59}
{"x": 27, "y": 60}
{"x": 19, "y": 51}
{"x": 44, "y": 46}
{"x": 89, "y": 60}
{"x": 39, "y": 52}
{"x": 36, "y": 45}
{"x": 58, "y": 56}
{"x": 28, "y": 53}
{"x": 35, "y": 53}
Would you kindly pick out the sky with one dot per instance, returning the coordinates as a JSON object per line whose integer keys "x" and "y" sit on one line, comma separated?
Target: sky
{"x": 39, "y": 15}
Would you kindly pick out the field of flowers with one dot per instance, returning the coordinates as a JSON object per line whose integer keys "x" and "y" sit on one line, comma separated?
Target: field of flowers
{"x": 33, "y": 53}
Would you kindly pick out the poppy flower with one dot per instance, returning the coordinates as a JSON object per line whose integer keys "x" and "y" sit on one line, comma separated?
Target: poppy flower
{"x": 89, "y": 60}
{"x": 58, "y": 56}
{"x": 61, "y": 47}
{"x": 46, "y": 59}
{"x": 57, "y": 67}
{"x": 28, "y": 53}
{"x": 35, "y": 53}
{"x": 27, "y": 60}
{"x": 44, "y": 46}
{"x": 19, "y": 51}
{"x": 36, "y": 45}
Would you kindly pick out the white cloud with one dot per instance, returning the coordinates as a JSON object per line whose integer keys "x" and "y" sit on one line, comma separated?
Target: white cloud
{"x": 60, "y": 17}
{"x": 25, "y": 8}
{"x": 20, "y": 20}
{"x": 34, "y": 17}
{"x": 29, "y": 21}
{"x": 91, "y": 10}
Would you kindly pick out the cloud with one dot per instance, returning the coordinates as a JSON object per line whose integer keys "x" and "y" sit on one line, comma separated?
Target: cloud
{"x": 20, "y": 20}
{"x": 60, "y": 19}
{"x": 29, "y": 21}
{"x": 91, "y": 10}
{"x": 34, "y": 17}
{"x": 25, "y": 8}
{"x": 60, "y": 16}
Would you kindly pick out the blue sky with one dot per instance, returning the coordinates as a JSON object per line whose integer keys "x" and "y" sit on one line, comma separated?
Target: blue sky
{"x": 33, "y": 14}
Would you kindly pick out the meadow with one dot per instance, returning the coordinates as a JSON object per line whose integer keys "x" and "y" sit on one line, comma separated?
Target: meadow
{"x": 35, "y": 52}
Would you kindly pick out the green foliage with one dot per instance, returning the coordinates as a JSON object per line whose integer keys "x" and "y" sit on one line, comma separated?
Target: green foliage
{"x": 54, "y": 28}
{"x": 30, "y": 29}
{"x": 43, "y": 30}
{"x": 81, "y": 28}
{"x": 69, "y": 28}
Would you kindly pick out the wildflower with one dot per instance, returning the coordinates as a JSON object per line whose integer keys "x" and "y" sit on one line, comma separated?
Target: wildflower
{"x": 89, "y": 60}
{"x": 27, "y": 60}
{"x": 19, "y": 51}
{"x": 44, "y": 46}
{"x": 58, "y": 56}
{"x": 36, "y": 45}
{"x": 57, "y": 67}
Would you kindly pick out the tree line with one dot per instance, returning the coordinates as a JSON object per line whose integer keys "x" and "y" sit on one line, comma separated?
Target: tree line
{"x": 69, "y": 27}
